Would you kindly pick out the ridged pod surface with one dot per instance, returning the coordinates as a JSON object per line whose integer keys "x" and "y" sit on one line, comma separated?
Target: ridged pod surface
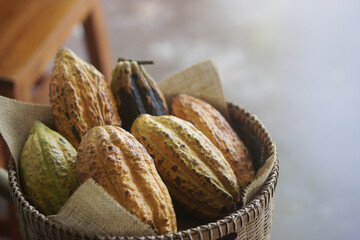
{"x": 47, "y": 169}
{"x": 121, "y": 165}
{"x": 79, "y": 97}
{"x": 135, "y": 92}
{"x": 210, "y": 122}
{"x": 194, "y": 170}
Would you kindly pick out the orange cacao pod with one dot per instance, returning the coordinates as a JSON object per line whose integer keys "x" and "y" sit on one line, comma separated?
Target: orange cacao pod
{"x": 210, "y": 121}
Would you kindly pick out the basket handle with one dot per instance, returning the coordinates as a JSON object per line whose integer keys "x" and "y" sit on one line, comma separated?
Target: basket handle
{"x": 4, "y": 184}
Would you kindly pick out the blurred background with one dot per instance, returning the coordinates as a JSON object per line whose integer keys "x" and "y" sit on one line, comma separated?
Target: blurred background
{"x": 294, "y": 64}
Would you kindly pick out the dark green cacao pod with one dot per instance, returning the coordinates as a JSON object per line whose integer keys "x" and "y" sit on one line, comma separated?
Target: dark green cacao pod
{"x": 135, "y": 93}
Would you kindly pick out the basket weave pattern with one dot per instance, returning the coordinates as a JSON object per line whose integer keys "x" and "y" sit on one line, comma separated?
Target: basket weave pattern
{"x": 250, "y": 222}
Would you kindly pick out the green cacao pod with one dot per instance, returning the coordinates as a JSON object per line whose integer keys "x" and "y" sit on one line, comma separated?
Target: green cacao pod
{"x": 194, "y": 170}
{"x": 135, "y": 93}
{"x": 211, "y": 122}
{"x": 79, "y": 97}
{"x": 121, "y": 165}
{"x": 47, "y": 169}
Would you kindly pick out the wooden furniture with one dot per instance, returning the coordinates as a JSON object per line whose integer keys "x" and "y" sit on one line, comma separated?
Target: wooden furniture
{"x": 30, "y": 33}
{"x": 32, "y": 30}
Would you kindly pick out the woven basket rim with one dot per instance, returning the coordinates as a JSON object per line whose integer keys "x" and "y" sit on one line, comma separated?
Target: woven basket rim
{"x": 245, "y": 215}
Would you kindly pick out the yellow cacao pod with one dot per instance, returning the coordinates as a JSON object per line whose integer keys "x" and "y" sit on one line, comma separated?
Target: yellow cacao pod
{"x": 79, "y": 97}
{"x": 121, "y": 165}
{"x": 194, "y": 170}
{"x": 211, "y": 122}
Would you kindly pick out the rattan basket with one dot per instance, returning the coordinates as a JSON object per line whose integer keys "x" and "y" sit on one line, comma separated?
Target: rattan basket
{"x": 250, "y": 222}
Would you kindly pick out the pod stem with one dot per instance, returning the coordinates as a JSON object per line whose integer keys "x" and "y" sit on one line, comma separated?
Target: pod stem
{"x": 140, "y": 62}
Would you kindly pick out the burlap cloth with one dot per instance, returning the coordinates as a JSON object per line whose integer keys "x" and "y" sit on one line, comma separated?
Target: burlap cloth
{"x": 90, "y": 209}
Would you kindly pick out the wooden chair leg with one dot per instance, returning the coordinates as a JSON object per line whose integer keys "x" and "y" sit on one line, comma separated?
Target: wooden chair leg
{"x": 6, "y": 89}
{"x": 22, "y": 91}
{"x": 9, "y": 228}
{"x": 40, "y": 92}
{"x": 97, "y": 41}
{"x": 14, "y": 232}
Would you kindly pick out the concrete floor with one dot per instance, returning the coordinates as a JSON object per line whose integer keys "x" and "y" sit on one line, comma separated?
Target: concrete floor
{"x": 295, "y": 64}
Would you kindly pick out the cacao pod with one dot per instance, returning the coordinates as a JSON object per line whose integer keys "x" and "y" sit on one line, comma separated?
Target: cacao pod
{"x": 121, "y": 165}
{"x": 211, "y": 122}
{"x": 79, "y": 97}
{"x": 47, "y": 169}
{"x": 194, "y": 170}
{"x": 135, "y": 93}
